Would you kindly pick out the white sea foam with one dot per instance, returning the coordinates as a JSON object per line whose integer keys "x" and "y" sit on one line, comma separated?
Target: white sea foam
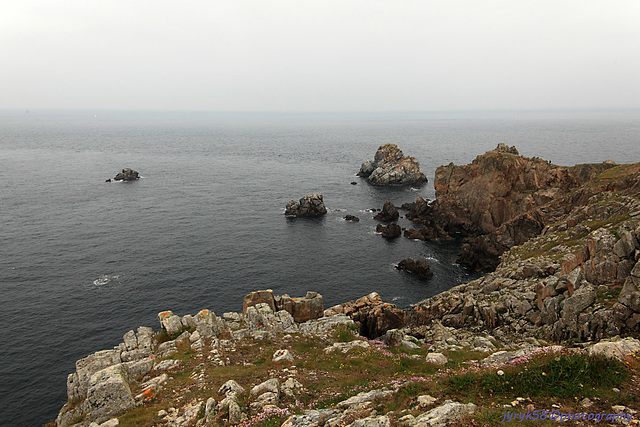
{"x": 105, "y": 278}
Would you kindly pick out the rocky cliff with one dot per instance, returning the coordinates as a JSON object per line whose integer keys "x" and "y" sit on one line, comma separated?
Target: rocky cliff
{"x": 578, "y": 279}
{"x": 500, "y": 200}
{"x": 265, "y": 368}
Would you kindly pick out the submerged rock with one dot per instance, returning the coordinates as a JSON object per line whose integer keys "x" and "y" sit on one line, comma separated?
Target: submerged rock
{"x": 391, "y": 167}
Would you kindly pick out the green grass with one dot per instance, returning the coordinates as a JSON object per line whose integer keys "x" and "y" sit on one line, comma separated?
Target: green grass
{"x": 558, "y": 376}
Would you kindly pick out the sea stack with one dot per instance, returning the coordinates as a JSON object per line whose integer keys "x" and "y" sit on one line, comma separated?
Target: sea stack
{"x": 310, "y": 206}
{"x": 127, "y": 174}
{"x": 391, "y": 167}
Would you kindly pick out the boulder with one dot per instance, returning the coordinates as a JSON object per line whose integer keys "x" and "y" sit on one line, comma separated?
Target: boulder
{"x": 418, "y": 267}
{"x": 144, "y": 337}
{"x": 272, "y": 385}
{"x": 127, "y": 174}
{"x": 391, "y": 167}
{"x": 373, "y": 316}
{"x": 436, "y": 358}
{"x": 389, "y": 212}
{"x": 170, "y": 322}
{"x": 208, "y": 325}
{"x": 443, "y": 415}
{"x": 381, "y": 421}
{"x": 309, "y": 206}
{"x": 109, "y": 393}
{"x": 130, "y": 340}
{"x": 78, "y": 382}
{"x": 309, "y": 307}
{"x": 258, "y": 297}
{"x": 630, "y": 294}
{"x": 365, "y": 396}
{"x": 616, "y": 348}
{"x": 391, "y": 231}
{"x": 351, "y": 218}
{"x": 231, "y": 387}
{"x": 282, "y": 355}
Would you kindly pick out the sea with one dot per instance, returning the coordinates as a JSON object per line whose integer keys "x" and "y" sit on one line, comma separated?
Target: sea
{"x": 83, "y": 261}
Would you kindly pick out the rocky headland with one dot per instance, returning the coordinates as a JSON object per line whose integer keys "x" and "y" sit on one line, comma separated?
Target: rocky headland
{"x": 552, "y": 328}
{"x": 501, "y": 200}
{"x": 391, "y": 167}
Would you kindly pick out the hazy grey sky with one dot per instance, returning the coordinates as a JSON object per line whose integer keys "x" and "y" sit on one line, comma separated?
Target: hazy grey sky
{"x": 342, "y": 55}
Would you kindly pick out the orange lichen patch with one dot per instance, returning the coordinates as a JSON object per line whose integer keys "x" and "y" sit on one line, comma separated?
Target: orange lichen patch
{"x": 149, "y": 394}
{"x": 164, "y": 314}
{"x": 204, "y": 312}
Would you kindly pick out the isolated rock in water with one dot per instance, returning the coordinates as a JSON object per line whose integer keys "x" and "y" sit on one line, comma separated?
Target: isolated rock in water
{"x": 389, "y": 212}
{"x": 418, "y": 267}
{"x": 391, "y": 231}
{"x": 351, "y": 218}
{"x": 391, "y": 167}
{"x": 309, "y": 206}
{"x": 127, "y": 174}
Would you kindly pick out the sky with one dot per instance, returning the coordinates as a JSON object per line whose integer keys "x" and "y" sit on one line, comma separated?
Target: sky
{"x": 329, "y": 55}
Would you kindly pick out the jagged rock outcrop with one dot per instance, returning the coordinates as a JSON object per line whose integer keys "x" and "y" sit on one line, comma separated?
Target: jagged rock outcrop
{"x": 498, "y": 201}
{"x": 388, "y": 213}
{"x": 571, "y": 282}
{"x": 311, "y": 206}
{"x": 418, "y": 267}
{"x": 127, "y": 174}
{"x": 302, "y": 309}
{"x": 391, "y": 167}
{"x": 373, "y": 316}
{"x": 390, "y": 231}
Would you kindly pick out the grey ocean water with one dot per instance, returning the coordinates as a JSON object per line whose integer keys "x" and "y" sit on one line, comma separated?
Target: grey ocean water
{"x": 83, "y": 261}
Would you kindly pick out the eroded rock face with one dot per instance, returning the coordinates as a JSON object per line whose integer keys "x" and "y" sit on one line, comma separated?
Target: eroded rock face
{"x": 498, "y": 201}
{"x": 373, "y": 316}
{"x": 109, "y": 393}
{"x": 309, "y": 206}
{"x": 391, "y": 167}
{"x": 309, "y": 307}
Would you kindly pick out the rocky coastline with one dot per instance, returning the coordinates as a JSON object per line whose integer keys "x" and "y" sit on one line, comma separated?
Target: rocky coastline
{"x": 561, "y": 250}
{"x": 287, "y": 361}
